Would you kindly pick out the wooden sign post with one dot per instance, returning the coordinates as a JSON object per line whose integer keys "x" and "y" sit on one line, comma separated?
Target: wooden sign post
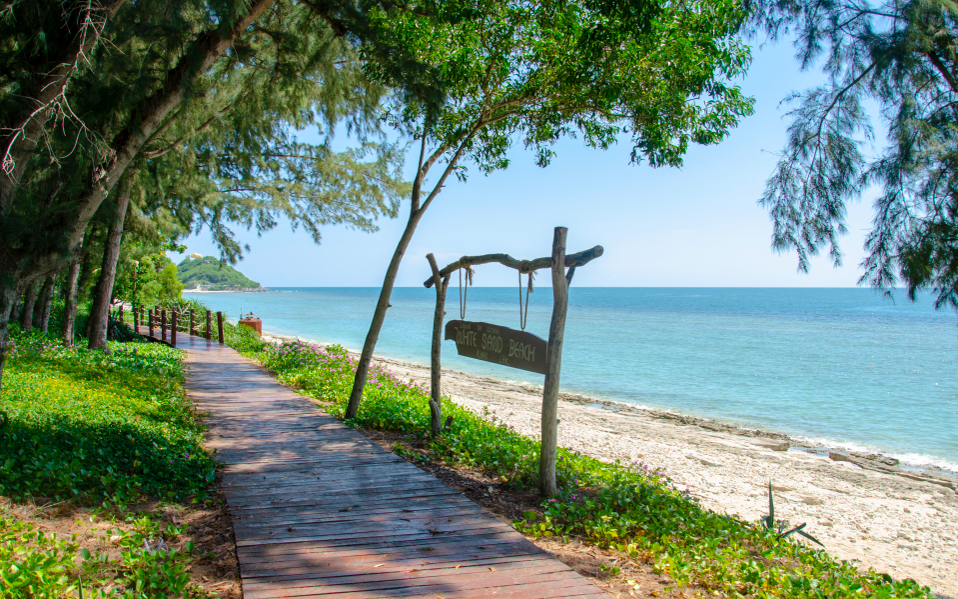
{"x": 550, "y": 390}
{"x": 508, "y": 347}
{"x": 435, "y": 407}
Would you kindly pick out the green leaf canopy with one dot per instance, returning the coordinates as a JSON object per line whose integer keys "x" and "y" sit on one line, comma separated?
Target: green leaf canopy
{"x": 536, "y": 71}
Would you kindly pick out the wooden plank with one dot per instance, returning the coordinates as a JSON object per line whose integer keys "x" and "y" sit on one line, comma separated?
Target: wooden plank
{"x": 439, "y": 583}
{"x": 326, "y": 485}
{"x": 340, "y": 495}
{"x": 319, "y": 510}
{"x": 450, "y": 555}
{"x": 359, "y": 515}
{"x": 406, "y": 576}
{"x": 350, "y": 536}
{"x": 278, "y": 530}
{"x": 335, "y": 567}
{"x": 425, "y": 549}
{"x": 309, "y": 506}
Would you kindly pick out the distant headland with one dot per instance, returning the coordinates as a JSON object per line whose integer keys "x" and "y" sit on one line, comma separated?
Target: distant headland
{"x": 206, "y": 273}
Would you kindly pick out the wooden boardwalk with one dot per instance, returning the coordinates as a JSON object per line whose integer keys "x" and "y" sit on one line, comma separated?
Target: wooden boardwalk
{"x": 321, "y": 511}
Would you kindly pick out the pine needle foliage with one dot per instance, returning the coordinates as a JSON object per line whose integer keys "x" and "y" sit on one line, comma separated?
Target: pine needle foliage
{"x": 900, "y": 55}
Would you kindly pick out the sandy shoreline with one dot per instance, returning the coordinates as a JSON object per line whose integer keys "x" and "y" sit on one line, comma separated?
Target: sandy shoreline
{"x": 902, "y": 522}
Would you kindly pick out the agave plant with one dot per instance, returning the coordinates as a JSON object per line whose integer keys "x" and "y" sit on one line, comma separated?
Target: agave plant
{"x": 779, "y": 527}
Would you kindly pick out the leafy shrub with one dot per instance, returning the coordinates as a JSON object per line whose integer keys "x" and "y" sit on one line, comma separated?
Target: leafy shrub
{"x": 109, "y": 425}
{"x": 241, "y": 338}
{"x": 626, "y": 507}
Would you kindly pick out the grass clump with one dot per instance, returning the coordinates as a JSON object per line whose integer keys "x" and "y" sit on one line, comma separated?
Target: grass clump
{"x": 625, "y": 507}
{"x": 76, "y": 422}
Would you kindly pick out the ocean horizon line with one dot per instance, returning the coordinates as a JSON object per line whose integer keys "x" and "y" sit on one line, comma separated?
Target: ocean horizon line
{"x": 879, "y": 291}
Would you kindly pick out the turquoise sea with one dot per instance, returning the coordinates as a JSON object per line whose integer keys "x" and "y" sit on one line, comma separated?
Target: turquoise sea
{"x": 840, "y": 368}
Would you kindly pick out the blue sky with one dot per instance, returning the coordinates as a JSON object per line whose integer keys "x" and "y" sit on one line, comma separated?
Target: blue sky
{"x": 698, "y": 226}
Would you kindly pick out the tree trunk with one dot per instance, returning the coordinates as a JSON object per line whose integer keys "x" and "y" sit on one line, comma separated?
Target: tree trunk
{"x": 379, "y": 316}
{"x": 45, "y": 288}
{"x": 550, "y": 391}
{"x": 41, "y": 318}
{"x": 86, "y": 265}
{"x": 9, "y": 293}
{"x": 100, "y": 313}
{"x": 435, "y": 371}
{"x": 86, "y": 273}
{"x": 70, "y": 304}
{"x": 29, "y": 300}
{"x": 15, "y": 310}
{"x": 416, "y": 210}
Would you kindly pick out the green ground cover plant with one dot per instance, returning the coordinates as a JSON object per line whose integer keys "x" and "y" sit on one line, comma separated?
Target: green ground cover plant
{"x": 81, "y": 427}
{"x": 141, "y": 560}
{"x": 79, "y": 422}
{"x": 625, "y": 507}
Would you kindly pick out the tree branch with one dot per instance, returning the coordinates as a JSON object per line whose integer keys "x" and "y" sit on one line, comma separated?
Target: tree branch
{"x": 205, "y": 50}
{"x": 940, "y": 66}
{"x": 23, "y": 135}
{"x": 524, "y": 266}
{"x": 179, "y": 142}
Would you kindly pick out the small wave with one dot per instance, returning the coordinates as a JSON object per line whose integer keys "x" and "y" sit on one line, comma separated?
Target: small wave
{"x": 840, "y": 445}
{"x": 921, "y": 460}
{"x": 521, "y": 383}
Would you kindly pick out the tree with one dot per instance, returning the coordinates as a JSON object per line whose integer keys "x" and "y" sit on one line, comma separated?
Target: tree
{"x": 161, "y": 66}
{"x": 902, "y": 56}
{"x": 537, "y": 71}
{"x": 45, "y": 211}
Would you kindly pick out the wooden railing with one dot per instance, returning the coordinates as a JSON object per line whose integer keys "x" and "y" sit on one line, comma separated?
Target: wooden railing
{"x": 169, "y": 322}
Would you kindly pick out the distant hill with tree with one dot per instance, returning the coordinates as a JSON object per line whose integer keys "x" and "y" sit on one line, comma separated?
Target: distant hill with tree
{"x": 207, "y": 273}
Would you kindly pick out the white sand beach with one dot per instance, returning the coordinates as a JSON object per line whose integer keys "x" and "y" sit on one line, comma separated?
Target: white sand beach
{"x": 898, "y": 522}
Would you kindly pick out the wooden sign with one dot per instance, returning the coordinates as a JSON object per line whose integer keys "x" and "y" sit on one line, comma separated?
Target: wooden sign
{"x": 499, "y": 345}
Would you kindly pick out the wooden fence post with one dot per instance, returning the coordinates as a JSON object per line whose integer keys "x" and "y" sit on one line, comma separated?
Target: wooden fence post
{"x": 163, "y": 324}
{"x": 219, "y": 325}
{"x": 150, "y": 315}
{"x": 173, "y": 322}
{"x": 136, "y": 319}
{"x": 192, "y": 322}
{"x": 209, "y": 326}
{"x": 550, "y": 391}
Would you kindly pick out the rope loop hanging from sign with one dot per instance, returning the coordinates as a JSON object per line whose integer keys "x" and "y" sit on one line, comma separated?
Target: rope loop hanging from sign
{"x": 464, "y": 294}
{"x": 524, "y": 314}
